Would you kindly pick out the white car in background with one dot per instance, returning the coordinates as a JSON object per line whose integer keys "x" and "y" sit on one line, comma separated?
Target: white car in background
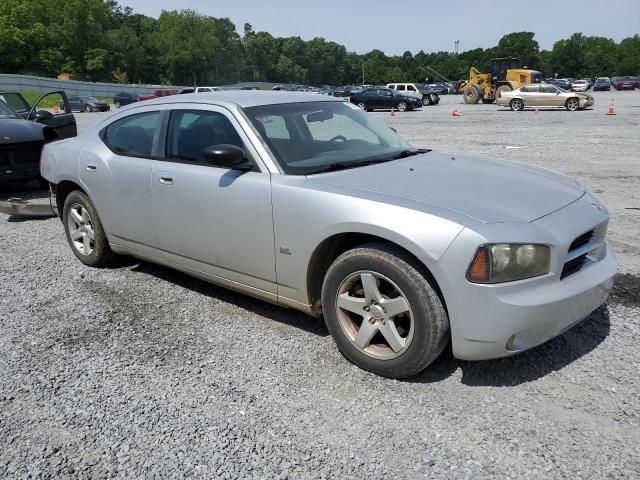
{"x": 199, "y": 90}
{"x": 580, "y": 86}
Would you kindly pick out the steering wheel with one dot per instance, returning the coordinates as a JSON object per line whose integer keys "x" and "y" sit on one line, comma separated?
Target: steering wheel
{"x": 339, "y": 137}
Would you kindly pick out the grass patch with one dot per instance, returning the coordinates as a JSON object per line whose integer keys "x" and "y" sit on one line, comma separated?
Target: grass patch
{"x": 52, "y": 100}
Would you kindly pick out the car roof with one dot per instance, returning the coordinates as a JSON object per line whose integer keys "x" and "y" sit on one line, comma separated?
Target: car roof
{"x": 244, "y": 98}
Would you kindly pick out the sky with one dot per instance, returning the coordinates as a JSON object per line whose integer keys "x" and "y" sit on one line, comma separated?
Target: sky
{"x": 414, "y": 25}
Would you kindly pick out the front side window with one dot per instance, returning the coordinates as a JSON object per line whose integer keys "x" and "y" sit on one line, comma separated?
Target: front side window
{"x": 322, "y": 134}
{"x": 191, "y": 131}
{"x": 530, "y": 89}
{"x": 133, "y": 135}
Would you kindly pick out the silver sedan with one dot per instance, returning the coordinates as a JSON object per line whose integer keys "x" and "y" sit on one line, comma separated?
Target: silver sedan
{"x": 543, "y": 96}
{"x": 310, "y": 203}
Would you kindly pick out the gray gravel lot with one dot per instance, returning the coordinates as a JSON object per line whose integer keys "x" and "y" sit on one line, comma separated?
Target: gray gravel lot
{"x": 138, "y": 371}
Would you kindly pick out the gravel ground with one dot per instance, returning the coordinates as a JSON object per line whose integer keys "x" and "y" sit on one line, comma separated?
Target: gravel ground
{"x": 138, "y": 371}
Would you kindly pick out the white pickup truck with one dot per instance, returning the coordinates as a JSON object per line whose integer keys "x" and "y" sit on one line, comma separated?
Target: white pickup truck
{"x": 428, "y": 96}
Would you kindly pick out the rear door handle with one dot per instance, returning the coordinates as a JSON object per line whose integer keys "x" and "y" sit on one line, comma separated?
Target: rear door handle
{"x": 90, "y": 167}
{"x": 165, "y": 178}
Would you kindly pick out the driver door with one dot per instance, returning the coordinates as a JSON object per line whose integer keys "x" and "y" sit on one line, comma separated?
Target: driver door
{"x": 62, "y": 120}
{"x": 210, "y": 219}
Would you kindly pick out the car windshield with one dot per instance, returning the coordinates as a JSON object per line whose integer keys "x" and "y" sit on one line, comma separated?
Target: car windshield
{"x": 6, "y": 111}
{"x": 315, "y": 136}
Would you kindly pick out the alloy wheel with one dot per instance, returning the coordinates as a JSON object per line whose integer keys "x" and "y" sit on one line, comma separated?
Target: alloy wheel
{"x": 375, "y": 315}
{"x": 573, "y": 104}
{"x": 81, "y": 229}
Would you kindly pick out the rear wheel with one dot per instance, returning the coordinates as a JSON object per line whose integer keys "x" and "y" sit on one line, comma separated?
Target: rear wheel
{"x": 471, "y": 95}
{"x": 516, "y": 105}
{"x": 84, "y": 230}
{"x": 116, "y": 104}
{"x": 362, "y": 105}
{"x": 572, "y": 104}
{"x": 402, "y": 106}
{"x": 383, "y": 314}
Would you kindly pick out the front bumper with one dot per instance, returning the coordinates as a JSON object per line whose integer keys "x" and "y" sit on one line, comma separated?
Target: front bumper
{"x": 493, "y": 321}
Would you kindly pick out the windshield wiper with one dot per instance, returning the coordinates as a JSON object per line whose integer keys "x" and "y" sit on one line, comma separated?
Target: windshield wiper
{"x": 345, "y": 165}
{"x": 364, "y": 162}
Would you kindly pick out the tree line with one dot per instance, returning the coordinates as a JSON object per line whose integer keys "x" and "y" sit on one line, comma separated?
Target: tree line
{"x": 108, "y": 42}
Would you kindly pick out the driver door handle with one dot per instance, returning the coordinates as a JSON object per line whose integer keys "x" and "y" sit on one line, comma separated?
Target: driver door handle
{"x": 90, "y": 167}
{"x": 165, "y": 178}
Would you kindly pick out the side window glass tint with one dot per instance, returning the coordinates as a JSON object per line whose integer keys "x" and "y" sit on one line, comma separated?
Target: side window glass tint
{"x": 132, "y": 135}
{"x": 401, "y": 88}
{"x": 191, "y": 131}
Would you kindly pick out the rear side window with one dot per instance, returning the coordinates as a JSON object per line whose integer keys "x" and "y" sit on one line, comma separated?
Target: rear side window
{"x": 132, "y": 136}
{"x": 401, "y": 88}
{"x": 191, "y": 131}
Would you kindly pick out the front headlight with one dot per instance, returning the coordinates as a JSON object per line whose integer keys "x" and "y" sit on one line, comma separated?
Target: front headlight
{"x": 507, "y": 262}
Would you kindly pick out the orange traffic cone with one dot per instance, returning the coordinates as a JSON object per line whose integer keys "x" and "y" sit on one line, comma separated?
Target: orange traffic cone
{"x": 393, "y": 112}
{"x": 612, "y": 109}
{"x": 457, "y": 113}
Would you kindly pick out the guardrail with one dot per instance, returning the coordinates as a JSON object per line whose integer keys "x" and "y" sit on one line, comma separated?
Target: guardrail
{"x": 72, "y": 87}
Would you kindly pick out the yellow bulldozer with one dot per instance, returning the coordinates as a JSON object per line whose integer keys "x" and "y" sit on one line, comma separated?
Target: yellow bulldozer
{"x": 503, "y": 76}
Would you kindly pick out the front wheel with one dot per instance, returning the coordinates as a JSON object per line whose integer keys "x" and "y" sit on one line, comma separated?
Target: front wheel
{"x": 382, "y": 312}
{"x": 572, "y": 104}
{"x": 517, "y": 105}
{"x": 84, "y": 230}
{"x": 87, "y": 109}
{"x": 426, "y": 100}
{"x": 402, "y": 106}
{"x": 116, "y": 104}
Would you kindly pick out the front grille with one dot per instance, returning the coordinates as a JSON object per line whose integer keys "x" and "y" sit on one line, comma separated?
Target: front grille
{"x": 581, "y": 240}
{"x": 573, "y": 266}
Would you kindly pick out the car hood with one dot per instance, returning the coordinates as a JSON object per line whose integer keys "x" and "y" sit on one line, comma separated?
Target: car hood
{"x": 17, "y": 131}
{"x": 489, "y": 191}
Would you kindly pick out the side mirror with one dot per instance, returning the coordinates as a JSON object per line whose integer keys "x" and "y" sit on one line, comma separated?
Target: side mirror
{"x": 42, "y": 115}
{"x": 226, "y": 156}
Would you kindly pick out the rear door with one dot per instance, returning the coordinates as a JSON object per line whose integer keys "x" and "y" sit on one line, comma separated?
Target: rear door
{"x": 117, "y": 170}
{"x": 62, "y": 121}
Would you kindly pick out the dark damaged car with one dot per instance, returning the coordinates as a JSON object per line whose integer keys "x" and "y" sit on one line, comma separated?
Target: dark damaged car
{"x": 24, "y": 130}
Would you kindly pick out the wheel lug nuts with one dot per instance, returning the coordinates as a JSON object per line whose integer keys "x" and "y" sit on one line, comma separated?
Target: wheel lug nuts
{"x": 367, "y": 308}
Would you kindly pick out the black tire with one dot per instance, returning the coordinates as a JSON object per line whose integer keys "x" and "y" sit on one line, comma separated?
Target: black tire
{"x": 426, "y": 100}
{"x": 116, "y": 104}
{"x": 572, "y": 104}
{"x": 363, "y": 106}
{"x": 488, "y": 100}
{"x": 430, "y": 321}
{"x": 87, "y": 109}
{"x": 402, "y": 106}
{"x": 517, "y": 105}
{"x": 471, "y": 95}
{"x": 101, "y": 253}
